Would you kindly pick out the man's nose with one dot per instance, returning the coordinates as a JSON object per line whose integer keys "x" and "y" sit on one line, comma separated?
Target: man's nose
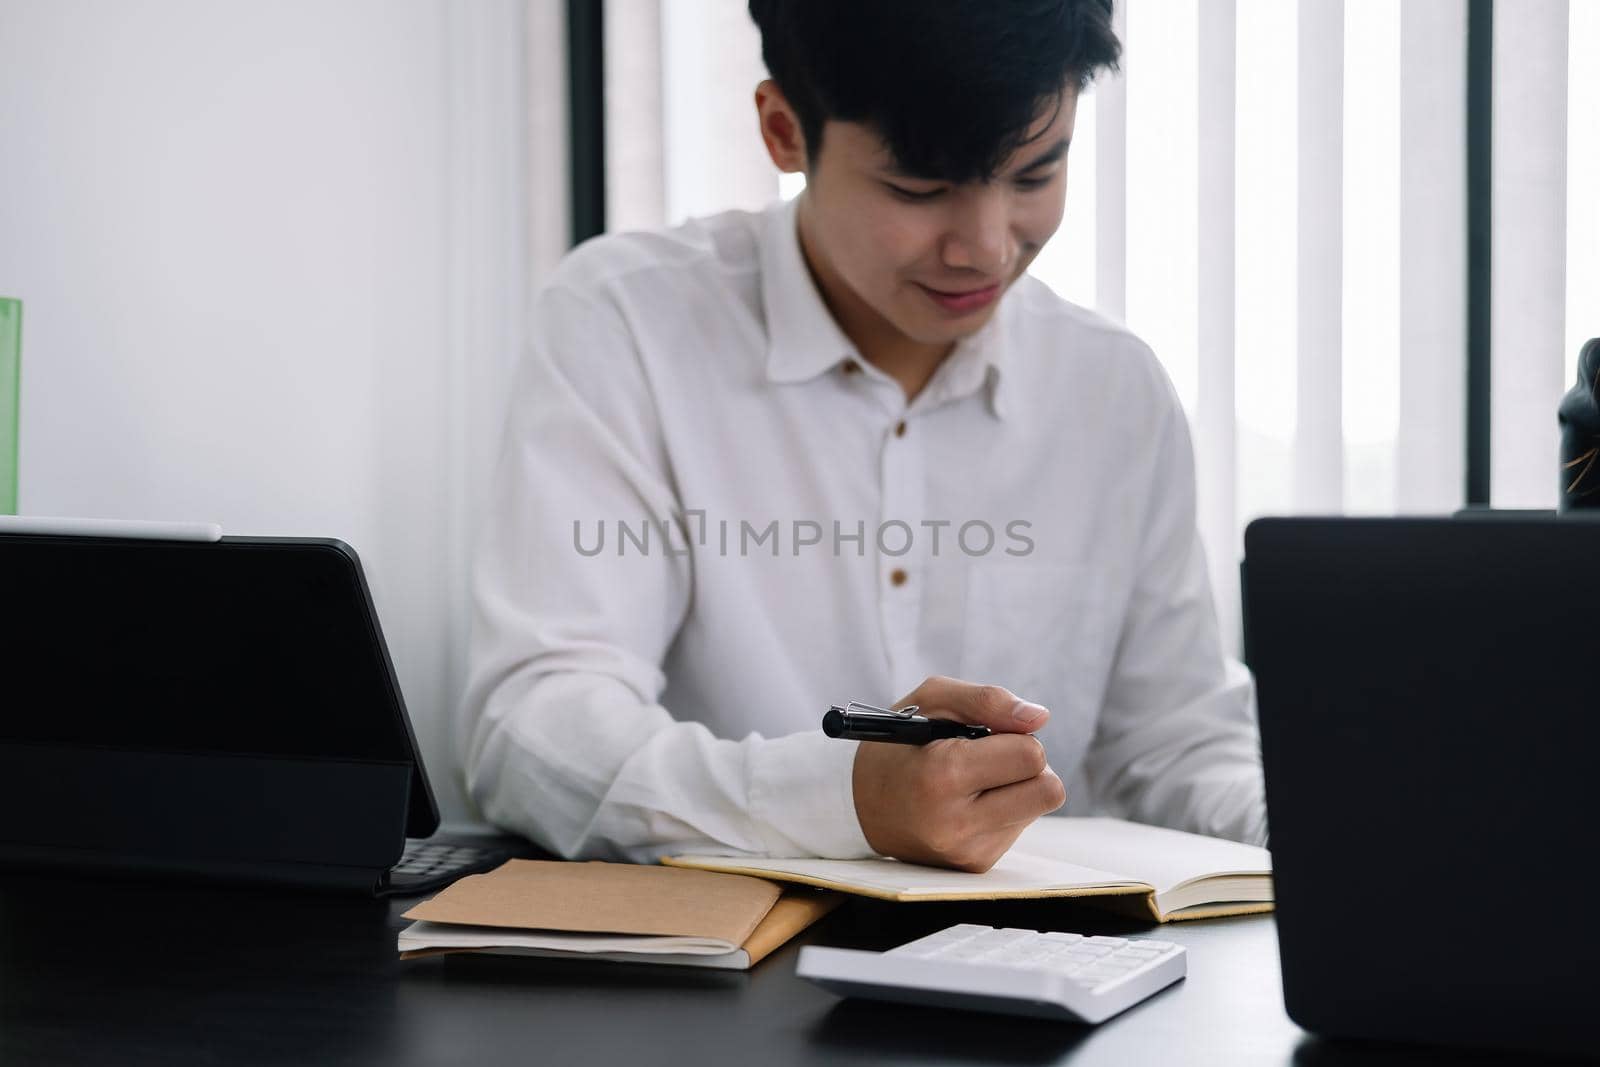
{"x": 980, "y": 237}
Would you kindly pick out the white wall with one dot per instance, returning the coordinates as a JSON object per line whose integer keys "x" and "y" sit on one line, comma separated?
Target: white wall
{"x": 272, "y": 258}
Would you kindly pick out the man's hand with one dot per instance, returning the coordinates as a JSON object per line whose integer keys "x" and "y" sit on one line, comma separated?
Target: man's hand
{"x": 957, "y": 803}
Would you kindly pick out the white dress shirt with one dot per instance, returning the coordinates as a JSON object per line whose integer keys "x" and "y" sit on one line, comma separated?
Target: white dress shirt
{"x": 1028, "y": 520}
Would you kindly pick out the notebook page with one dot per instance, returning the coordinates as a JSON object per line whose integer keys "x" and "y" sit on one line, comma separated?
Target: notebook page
{"x": 1014, "y": 873}
{"x": 1159, "y": 857}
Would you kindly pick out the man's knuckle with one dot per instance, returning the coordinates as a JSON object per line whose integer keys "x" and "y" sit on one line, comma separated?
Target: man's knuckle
{"x": 1034, "y": 759}
{"x": 994, "y": 699}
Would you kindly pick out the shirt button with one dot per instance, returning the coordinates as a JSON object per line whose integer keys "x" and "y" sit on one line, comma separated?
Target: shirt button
{"x": 897, "y": 577}
{"x": 900, "y": 430}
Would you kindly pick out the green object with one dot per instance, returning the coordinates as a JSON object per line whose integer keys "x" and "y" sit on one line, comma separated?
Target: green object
{"x": 10, "y": 398}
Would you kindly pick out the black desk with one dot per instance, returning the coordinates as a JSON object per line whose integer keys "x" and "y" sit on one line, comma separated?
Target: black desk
{"x": 131, "y": 973}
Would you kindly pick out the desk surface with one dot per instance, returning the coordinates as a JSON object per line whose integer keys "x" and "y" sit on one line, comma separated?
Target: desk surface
{"x": 100, "y": 971}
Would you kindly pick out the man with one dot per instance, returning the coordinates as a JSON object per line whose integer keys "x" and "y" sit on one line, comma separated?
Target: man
{"x": 842, "y": 449}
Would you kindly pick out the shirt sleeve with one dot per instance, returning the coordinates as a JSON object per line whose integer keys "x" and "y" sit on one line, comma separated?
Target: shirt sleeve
{"x": 561, "y": 734}
{"x": 1177, "y": 743}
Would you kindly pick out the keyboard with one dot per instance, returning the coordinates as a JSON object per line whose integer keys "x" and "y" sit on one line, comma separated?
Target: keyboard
{"x": 1017, "y": 972}
{"x": 427, "y": 865}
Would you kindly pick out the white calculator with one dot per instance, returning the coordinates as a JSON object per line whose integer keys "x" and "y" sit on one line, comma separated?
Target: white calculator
{"x": 1018, "y": 972}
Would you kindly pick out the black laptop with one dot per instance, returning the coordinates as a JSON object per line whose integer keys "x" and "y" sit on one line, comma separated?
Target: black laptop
{"x": 1429, "y": 695}
{"x": 221, "y": 708}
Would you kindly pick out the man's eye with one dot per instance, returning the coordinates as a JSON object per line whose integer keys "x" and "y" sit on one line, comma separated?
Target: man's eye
{"x": 913, "y": 195}
{"x": 1035, "y": 183}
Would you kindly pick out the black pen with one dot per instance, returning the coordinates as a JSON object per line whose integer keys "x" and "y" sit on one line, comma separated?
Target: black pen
{"x": 863, "y": 722}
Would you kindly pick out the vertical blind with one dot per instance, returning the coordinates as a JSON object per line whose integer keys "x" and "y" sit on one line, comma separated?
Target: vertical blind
{"x": 1272, "y": 194}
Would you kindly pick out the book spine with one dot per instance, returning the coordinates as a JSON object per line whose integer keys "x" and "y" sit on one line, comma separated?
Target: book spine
{"x": 792, "y": 913}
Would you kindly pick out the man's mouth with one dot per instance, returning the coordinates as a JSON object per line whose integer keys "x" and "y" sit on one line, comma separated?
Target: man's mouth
{"x": 962, "y": 300}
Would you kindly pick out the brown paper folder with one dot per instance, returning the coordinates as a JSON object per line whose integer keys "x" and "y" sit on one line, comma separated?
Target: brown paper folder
{"x": 613, "y": 911}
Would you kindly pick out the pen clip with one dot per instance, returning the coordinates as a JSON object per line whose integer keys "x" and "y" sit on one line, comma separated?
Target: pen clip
{"x": 902, "y": 713}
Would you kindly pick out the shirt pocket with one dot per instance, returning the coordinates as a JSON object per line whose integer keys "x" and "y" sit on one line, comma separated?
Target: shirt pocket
{"x": 1041, "y": 630}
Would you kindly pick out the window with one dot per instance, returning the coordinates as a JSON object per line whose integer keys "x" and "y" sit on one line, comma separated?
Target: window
{"x": 1273, "y": 195}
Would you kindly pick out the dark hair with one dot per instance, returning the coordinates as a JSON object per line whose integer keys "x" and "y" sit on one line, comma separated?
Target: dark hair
{"x": 952, "y": 86}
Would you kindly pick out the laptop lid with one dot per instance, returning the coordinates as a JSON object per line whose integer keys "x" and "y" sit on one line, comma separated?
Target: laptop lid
{"x": 259, "y": 647}
{"x": 1427, "y": 701}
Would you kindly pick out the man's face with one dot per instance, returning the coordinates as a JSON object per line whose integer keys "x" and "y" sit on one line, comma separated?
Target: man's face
{"x": 931, "y": 258}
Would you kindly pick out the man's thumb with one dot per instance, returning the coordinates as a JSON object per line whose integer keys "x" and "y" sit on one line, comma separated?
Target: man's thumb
{"x": 993, "y": 706}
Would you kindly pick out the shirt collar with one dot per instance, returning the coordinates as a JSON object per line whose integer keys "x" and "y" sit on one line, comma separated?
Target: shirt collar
{"x": 977, "y": 362}
{"x": 804, "y": 340}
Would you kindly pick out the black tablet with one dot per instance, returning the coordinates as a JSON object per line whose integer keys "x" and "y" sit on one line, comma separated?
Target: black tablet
{"x": 265, "y": 649}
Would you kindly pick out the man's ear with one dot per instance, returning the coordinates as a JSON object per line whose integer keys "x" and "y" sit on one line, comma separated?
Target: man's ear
{"x": 780, "y": 129}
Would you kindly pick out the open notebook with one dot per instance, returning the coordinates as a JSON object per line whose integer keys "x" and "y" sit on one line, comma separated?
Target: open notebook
{"x": 1166, "y": 874}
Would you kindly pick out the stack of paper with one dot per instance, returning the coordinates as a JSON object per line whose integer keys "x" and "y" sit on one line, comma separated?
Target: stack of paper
{"x": 613, "y": 911}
